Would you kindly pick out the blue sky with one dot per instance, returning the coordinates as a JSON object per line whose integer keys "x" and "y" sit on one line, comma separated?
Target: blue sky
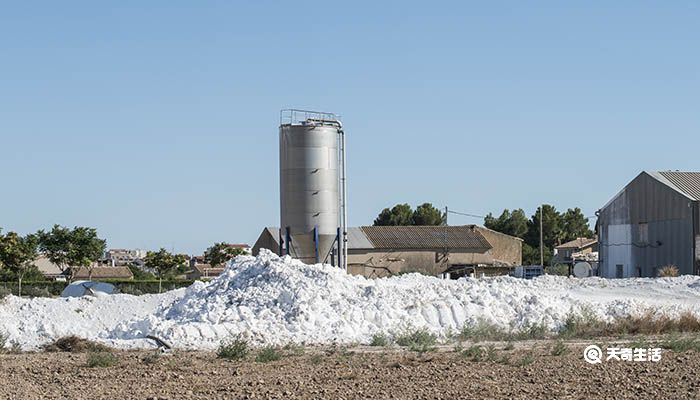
{"x": 156, "y": 122}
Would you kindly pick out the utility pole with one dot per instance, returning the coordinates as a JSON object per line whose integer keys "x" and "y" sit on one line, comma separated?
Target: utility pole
{"x": 447, "y": 249}
{"x": 541, "y": 236}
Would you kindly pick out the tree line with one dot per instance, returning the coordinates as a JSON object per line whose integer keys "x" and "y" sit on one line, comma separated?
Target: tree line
{"x": 557, "y": 228}
{"x": 73, "y": 249}
{"x": 404, "y": 215}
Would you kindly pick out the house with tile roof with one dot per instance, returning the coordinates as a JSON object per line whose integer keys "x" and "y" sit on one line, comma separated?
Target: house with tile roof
{"x": 577, "y": 249}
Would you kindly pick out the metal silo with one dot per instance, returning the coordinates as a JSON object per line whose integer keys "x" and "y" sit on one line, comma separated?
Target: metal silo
{"x": 312, "y": 186}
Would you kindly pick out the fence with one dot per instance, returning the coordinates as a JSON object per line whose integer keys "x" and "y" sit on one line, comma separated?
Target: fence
{"x": 53, "y": 288}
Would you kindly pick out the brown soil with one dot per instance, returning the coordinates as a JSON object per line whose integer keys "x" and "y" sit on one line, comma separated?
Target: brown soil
{"x": 339, "y": 373}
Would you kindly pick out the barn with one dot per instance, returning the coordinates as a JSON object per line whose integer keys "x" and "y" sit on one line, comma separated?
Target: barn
{"x": 652, "y": 222}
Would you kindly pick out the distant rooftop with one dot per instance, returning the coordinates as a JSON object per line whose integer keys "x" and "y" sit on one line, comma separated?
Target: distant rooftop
{"x": 578, "y": 243}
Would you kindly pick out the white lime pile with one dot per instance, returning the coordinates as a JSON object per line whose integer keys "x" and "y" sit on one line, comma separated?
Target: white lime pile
{"x": 279, "y": 300}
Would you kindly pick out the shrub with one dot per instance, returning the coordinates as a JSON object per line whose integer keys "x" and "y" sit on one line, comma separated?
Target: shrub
{"x": 267, "y": 354}
{"x": 294, "y": 349}
{"x": 100, "y": 359}
{"x": 34, "y": 291}
{"x": 584, "y": 325}
{"x": 420, "y": 340}
{"x": 505, "y": 359}
{"x": 474, "y": 353}
{"x": 527, "y": 359}
{"x": 379, "y": 340}
{"x": 484, "y": 330}
{"x": 75, "y": 344}
{"x": 234, "y": 348}
{"x": 557, "y": 269}
{"x": 3, "y": 341}
{"x": 560, "y": 349}
{"x": 15, "y": 347}
{"x": 681, "y": 345}
{"x": 491, "y": 353}
{"x": 532, "y": 332}
{"x": 4, "y": 292}
{"x": 668, "y": 271}
{"x": 316, "y": 359}
{"x": 130, "y": 289}
{"x": 151, "y": 358}
{"x": 8, "y": 346}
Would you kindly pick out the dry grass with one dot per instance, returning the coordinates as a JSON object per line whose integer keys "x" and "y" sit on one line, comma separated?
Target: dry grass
{"x": 483, "y": 330}
{"x": 418, "y": 340}
{"x": 668, "y": 271}
{"x": 75, "y": 344}
{"x": 649, "y": 323}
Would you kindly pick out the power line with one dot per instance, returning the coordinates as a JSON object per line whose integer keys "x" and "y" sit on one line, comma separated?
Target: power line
{"x": 465, "y": 214}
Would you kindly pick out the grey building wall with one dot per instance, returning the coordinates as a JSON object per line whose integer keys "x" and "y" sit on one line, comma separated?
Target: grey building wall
{"x": 381, "y": 263}
{"x": 267, "y": 240}
{"x": 646, "y": 226}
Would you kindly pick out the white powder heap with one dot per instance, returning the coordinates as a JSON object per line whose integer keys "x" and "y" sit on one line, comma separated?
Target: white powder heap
{"x": 277, "y": 300}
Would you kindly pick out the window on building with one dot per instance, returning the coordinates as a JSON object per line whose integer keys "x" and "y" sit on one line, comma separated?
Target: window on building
{"x": 620, "y": 270}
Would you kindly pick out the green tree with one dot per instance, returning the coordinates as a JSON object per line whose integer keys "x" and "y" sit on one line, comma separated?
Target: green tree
{"x": 575, "y": 225}
{"x": 551, "y": 228}
{"x": 400, "y": 214}
{"x": 17, "y": 254}
{"x": 531, "y": 255}
{"x": 140, "y": 274}
{"x": 220, "y": 253}
{"x": 72, "y": 249}
{"x": 164, "y": 263}
{"x": 511, "y": 223}
{"x": 426, "y": 214}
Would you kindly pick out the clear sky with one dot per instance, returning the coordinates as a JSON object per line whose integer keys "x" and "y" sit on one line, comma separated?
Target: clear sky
{"x": 156, "y": 121}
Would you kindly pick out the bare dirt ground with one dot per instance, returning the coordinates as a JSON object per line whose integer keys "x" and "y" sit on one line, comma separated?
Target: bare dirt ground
{"x": 529, "y": 371}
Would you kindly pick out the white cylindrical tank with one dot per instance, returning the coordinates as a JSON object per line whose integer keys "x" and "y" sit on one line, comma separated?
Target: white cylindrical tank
{"x": 309, "y": 193}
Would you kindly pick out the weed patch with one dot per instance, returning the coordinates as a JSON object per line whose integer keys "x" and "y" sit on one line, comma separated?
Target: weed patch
{"x": 101, "y": 359}
{"x": 152, "y": 358}
{"x": 681, "y": 345}
{"x": 483, "y": 330}
{"x": 316, "y": 359}
{"x": 379, "y": 340}
{"x": 234, "y": 348}
{"x": 473, "y": 353}
{"x": 560, "y": 349}
{"x": 268, "y": 354}
{"x": 419, "y": 340}
{"x": 527, "y": 359}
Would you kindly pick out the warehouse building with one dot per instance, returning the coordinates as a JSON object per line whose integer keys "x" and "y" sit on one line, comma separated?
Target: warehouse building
{"x": 653, "y": 222}
{"x": 449, "y": 251}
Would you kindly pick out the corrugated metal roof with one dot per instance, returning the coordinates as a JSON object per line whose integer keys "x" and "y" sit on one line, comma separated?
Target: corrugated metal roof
{"x": 687, "y": 183}
{"x": 426, "y": 237}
